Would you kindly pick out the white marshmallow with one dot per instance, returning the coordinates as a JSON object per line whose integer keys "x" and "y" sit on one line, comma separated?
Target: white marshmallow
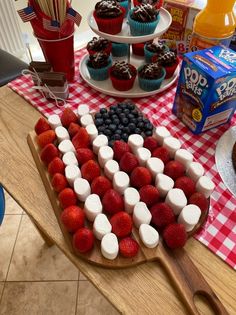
{"x": 135, "y": 141}
{"x": 155, "y": 166}
{"x": 105, "y": 154}
{"x": 110, "y": 246}
{"x": 82, "y": 110}
{"x": 101, "y": 226}
{"x": 131, "y": 198}
{"x": 66, "y": 146}
{"x": 148, "y": 235}
{"x": 176, "y": 200}
{"x": 62, "y": 133}
{"x": 72, "y": 172}
{"x": 86, "y": 120}
{"x": 54, "y": 121}
{"x": 120, "y": 182}
{"x": 98, "y": 142}
{"x": 172, "y": 145}
{"x": 160, "y": 133}
{"x": 195, "y": 170}
{"x": 183, "y": 156}
{"x": 111, "y": 167}
{"x": 92, "y": 131}
{"x": 82, "y": 188}
{"x": 143, "y": 155}
{"x": 205, "y": 185}
{"x": 141, "y": 214}
{"x": 164, "y": 183}
{"x": 92, "y": 207}
{"x": 69, "y": 158}
{"x": 189, "y": 216}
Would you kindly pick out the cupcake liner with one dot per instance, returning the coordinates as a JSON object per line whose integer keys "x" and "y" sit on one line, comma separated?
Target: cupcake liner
{"x": 171, "y": 69}
{"x": 100, "y": 74}
{"x": 125, "y": 5}
{"x": 107, "y": 50}
{"x": 110, "y": 26}
{"x": 119, "y": 49}
{"x": 149, "y": 54}
{"x": 151, "y": 85}
{"x": 120, "y": 84}
{"x": 142, "y": 28}
{"x": 156, "y": 5}
{"x": 138, "y": 49}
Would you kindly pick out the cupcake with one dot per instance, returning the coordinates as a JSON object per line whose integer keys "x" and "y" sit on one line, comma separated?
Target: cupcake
{"x": 122, "y": 76}
{"x": 168, "y": 60}
{"x": 98, "y": 66}
{"x": 124, "y": 4}
{"x": 109, "y": 16}
{"x": 155, "y": 3}
{"x": 119, "y": 49}
{"x": 150, "y": 76}
{"x": 143, "y": 20}
{"x": 151, "y": 49}
{"x": 99, "y": 44}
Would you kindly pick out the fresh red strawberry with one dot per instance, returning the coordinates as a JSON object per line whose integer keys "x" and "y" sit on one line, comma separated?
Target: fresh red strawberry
{"x": 122, "y": 224}
{"x": 186, "y": 184}
{"x": 149, "y": 194}
{"x": 199, "y": 200}
{"x": 81, "y": 139}
{"x": 56, "y": 166}
{"x": 83, "y": 240}
{"x": 174, "y": 169}
{"x": 140, "y": 177}
{"x": 67, "y": 117}
{"x": 128, "y": 162}
{"x": 41, "y": 126}
{"x": 128, "y": 247}
{"x": 162, "y": 215}
{"x": 100, "y": 185}
{"x": 73, "y": 129}
{"x": 161, "y": 153}
{"x": 90, "y": 170}
{"x": 175, "y": 235}
{"x": 112, "y": 202}
{"x": 150, "y": 143}
{"x": 46, "y": 137}
{"x": 84, "y": 155}
{"x": 73, "y": 218}
{"x": 67, "y": 198}
{"x": 120, "y": 148}
{"x": 48, "y": 153}
{"x": 59, "y": 182}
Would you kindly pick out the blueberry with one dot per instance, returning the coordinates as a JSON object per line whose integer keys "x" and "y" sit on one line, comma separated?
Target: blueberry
{"x": 148, "y": 126}
{"x": 112, "y": 112}
{"x": 134, "y": 112}
{"x": 125, "y": 121}
{"x": 126, "y": 111}
{"x": 120, "y": 126}
{"x": 137, "y": 130}
{"x": 98, "y": 122}
{"x": 148, "y": 133}
{"x": 118, "y": 131}
{"x": 123, "y": 105}
{"x": 110, "y": 143}
{"x": 113, "y": 107}
{"x": 108, "y": 121}
{"x": 125, "y": 137}
{"x": 112, "y": 127}
{"x": 131, "y": 106}
{"x": 126, "y": 129}
{"x": 122, "y": 115}
{"x": 116, "y": 136}
{"x": 103, "y": 110}
{"x": 105, "y": 116}
{"x": 145, "y": 120}
{"x": 107, "y": 132}
{"x": 118, "y": 110}
{"x": 139, "y": 119}
{"x": 132, "y": 126}
{"x": 133, "y": 121}
{"x": 101, "y": 128}
{"x": 98, "y": 115}
{"x": 130, "y": 116}
{"x": 140, "y": 124}
{"x": 114, "y": 117}
{"x": 116, "y": 121}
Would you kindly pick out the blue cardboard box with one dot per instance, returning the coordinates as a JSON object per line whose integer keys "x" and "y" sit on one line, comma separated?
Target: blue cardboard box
{"x": 206, "y": 92}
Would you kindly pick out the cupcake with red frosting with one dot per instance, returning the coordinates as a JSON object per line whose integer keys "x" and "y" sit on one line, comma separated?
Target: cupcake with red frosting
{"x": 168, "y": 60}
{"x": 122, "y": 75}
{"x": 155, "y": 3}
{"x": 99, "y": 44}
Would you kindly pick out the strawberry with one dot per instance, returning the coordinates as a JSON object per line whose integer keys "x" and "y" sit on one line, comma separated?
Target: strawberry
{"x": 56, "y": 166}
{"x": 83, "y": 240}
{"x": 46, "y": 137}
{"x": 67, "y": 197}
{"x": 149, "y": 194}
{"x": 84, "y": 155}
{"x": 174, "y": 169}
{"x": 112, "y": 202}
{"x": 67, "y": 117}
{"x": 140, "y": 177}
{"x": 73, "y": 218}
{"x": 161, "y": 153}
{"x": 41, "y": 126}
{"x": 186, "y": 184}
{"x": 90, "y": 170}
{"x": 81, "y": 139}
{"x": 48, "y": 153}
{"x": 100, "y": 185}
{"x": 128, "y": 162}
{"x": 199, "y": 200}
{"x": 59, "y": 182}
{"x": 120, "y": 148}
{"x": 128, "y": 247}
{"x": 162, "y": 215}
{"x": 150, "y": 143}
{"x": 175, "y": 235}
{"x": 73, "y": 129}
{"x": 122, "y": 224}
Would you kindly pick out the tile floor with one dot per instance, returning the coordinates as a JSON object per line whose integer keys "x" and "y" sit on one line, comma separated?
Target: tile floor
{"x": 37, "y": 280}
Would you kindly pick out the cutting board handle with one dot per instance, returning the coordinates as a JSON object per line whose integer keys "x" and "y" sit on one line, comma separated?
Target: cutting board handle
{"x": 188, "y": 280}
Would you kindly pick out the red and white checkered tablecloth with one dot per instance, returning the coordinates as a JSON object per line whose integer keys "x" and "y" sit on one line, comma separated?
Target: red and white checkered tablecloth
{"x": 219, "y": 232}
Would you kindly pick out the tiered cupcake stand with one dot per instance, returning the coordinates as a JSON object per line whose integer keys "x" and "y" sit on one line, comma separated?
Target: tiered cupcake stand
{"x": 125, "y": 37}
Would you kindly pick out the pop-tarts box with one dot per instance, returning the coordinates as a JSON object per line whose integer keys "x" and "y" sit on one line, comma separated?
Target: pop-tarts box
{"x": 206, "y": 92}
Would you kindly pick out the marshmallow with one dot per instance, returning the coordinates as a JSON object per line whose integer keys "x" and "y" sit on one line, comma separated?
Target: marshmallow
{"x": 131, "y": 198}
{"x": 82, "y": 110}
{"x": 62, "y": 133}
{"x": 101, "y": 226}
{"x": 92, "y": 207}
{"x": 172, "y": 145}
{"x": 82, "y": 188}
{"x": 98, "y": 142}
{"x": 183, "y": 156}
{"x": 72, "y": 172}
{"x": 120, "y": 182}
{"x": 86, "y": 120}
{"x": 54, "y": 121}
{"x": 69, "y": 158}
{"x": 105, "y": 154}
{"x": 160, "y": 133}
{"x": 155, "y": 166}
{"x": 143, "y": 155}
{"x": 66, "y": 146}
{"x": 164, "y": 183}
{"x": 148, "y": 235}
{"x": 176, "y": 200}
{"x": 111, "y": 167}
{"x": 135, "y": 141}
{"x": 110, "y": 246}
{"x": 195, "y": 170}
{"x": 141, "y": 214}
{"x": 92, "y": 131}
{"x": 205, "y": 185}
{"x": 189, "y": 216}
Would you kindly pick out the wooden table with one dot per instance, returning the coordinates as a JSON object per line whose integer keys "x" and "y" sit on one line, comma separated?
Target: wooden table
{"x": 141, "y": 290}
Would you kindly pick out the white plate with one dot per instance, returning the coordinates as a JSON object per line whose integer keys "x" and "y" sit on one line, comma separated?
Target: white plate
{"x": 125, "y": 37}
